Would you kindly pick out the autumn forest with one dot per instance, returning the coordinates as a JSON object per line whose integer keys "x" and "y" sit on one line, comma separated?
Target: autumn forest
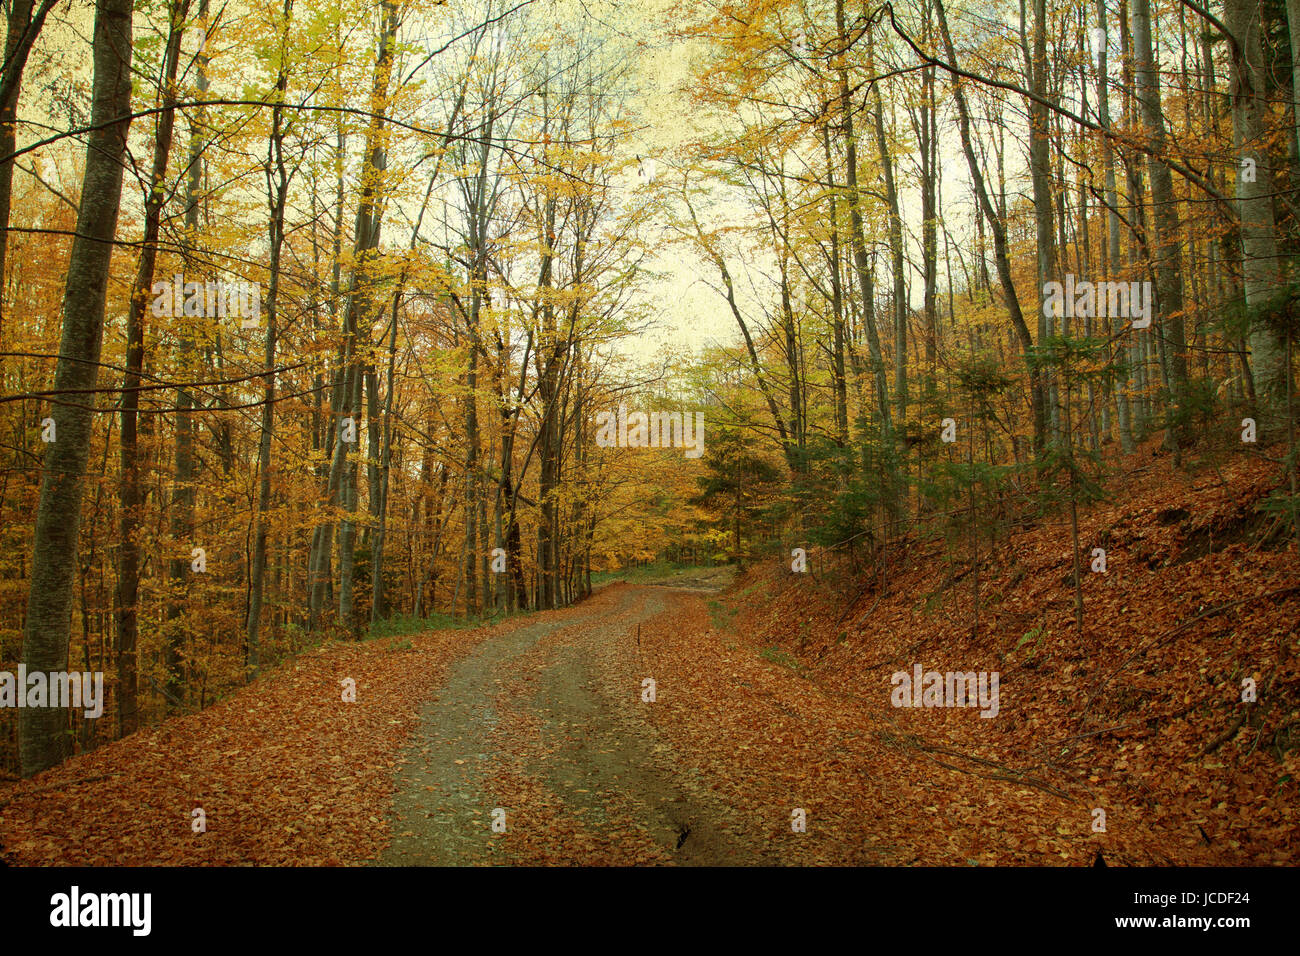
{"x": 665, "y": 363}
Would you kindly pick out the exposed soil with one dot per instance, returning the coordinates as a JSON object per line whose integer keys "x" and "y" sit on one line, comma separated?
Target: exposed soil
{"x": 545, "y": 723}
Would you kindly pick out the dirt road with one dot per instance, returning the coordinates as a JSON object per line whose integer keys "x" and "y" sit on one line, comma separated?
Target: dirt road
{"x": 543, "y": 729}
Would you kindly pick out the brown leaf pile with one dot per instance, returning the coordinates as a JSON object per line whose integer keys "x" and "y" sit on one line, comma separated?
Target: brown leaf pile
{"x": 1119, "y": 717}
{"x": 285, "y": 771}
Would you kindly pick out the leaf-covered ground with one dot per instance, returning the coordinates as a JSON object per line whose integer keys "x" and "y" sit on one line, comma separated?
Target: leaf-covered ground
{"x": 284, "y": 770}
{"x": 771, "y": 703}
{"x": 1140, "y": 715}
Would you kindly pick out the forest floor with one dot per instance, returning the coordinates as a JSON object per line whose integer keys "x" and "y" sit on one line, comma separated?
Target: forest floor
{"x": 772, "y": 703}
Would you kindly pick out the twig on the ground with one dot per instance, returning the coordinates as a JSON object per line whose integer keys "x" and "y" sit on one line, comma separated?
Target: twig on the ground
{"x": 1224, "y": 737}
{"x": 1027, "y": 781}
{"x": 1178, "y": 629}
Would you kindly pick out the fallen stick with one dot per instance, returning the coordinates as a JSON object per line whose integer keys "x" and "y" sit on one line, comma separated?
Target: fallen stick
{"x": 1178, "y": 629}
{"x": 1224, "y": 737}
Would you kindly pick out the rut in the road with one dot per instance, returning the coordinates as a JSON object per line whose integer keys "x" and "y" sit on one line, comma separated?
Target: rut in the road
{"x": 600, "y": 743}
{"x": 438, "y": 807}
{"x": 596, "y": 745}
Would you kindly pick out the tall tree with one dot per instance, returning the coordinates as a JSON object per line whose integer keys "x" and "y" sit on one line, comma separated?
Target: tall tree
{"x": 42, "y": 731}
{"x": 866, "y": 283}
{"x": 1164, "y": 214}
{"x": 24, "y": 24}
{"x": 128, "y": 581}
{"x": 277, "y": 194}
{"x": 997, "y": 226}
{"x": 1261, "y": 267}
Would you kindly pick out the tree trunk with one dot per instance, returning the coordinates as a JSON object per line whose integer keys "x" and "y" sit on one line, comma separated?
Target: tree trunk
{"x": 1164, "y": 214}
{"x": 866, "y": 283}
{"x": 181, "y": 506}
{"x": 896, "y": 262}
{"x": 23, "y": 29}
{"x": 1261, "y": 268}
{"x": 128, "y": 575}
{"x": 997, "y": 226}
{"x": 1040, "y": 176}
{"x": 278, "y": 196}
{"x": 42, "y": 731}
{"x": 359, "y": 306}
{"x": 1110, "y": 250}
